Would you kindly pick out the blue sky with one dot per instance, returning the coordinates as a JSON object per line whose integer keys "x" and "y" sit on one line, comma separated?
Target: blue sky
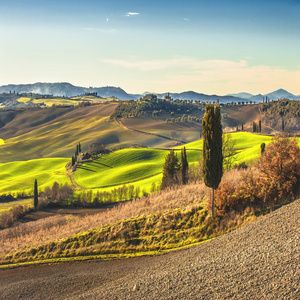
{"x": 219, "y": 46}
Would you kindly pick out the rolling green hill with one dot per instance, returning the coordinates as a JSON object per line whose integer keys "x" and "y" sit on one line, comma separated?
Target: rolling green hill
{"x": 120, "y": 167}
{"x": 34, "y": 134}
{"x": 137, "y": 165}
{"x": 140, "y": 167}
{"x": 19, "y": 176}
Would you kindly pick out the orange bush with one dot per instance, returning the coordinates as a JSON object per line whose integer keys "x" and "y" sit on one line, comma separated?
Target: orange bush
{"x": 273, "y": 180}
{"x": 280, "y": 166}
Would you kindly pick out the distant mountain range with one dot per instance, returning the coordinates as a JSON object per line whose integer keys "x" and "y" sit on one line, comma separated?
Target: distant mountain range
{"x": 69, "y": 90}
{"x": 64, "y": 89}
{"x": 279, "y": 94}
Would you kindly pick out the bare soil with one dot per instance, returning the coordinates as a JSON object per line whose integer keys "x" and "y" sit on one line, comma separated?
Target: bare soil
{"x": 257, "y": 261}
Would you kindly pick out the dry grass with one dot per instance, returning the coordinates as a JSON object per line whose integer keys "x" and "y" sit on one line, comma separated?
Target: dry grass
{"x": 43, "y": 231}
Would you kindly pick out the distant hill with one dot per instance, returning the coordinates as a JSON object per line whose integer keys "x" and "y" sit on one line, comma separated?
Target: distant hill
{"x": 241, "y": 95}
{"x": 190, "y": 95}
{"x": 64, "y": 89}
{"x": 279, "y": 94}
{"x": 68, "y": 90}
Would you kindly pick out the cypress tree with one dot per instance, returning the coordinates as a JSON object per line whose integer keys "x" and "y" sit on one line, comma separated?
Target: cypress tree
{"x": 79, "y": 147}
{"x": 282, "y": 125}
{"x": 73, "y": 161}
{"x": 212, "y": 149}
{"x": 259, "y": 126}
{"x": 262, "y": 148}
{"x": 171, "y": 168}
{"x": 242, "y": 127}
{"x": 36, "y": 197}
{"x": 184, "y": 166}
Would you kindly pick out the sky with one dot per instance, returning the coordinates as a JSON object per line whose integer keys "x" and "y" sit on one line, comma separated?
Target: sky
{"x": 213, "y": 47}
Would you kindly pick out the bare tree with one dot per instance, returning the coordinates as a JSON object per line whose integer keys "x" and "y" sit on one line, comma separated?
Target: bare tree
{"x": 229, "y": 151}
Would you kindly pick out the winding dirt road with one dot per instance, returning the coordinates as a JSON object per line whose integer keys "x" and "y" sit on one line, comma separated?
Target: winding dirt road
{"x": 258, "y": 261}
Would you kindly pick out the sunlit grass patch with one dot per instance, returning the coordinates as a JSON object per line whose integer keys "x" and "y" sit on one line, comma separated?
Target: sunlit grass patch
{"x": 19, "y": 176}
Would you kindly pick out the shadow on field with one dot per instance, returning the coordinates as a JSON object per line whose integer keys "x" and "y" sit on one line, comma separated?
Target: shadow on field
{"x": 72, "y": 211}
{"x": 96, "y": 162}
{"x": 86, "y": 169}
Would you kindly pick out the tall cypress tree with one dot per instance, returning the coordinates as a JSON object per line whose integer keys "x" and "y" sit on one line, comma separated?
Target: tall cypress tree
{"x": 212, "y": 149}
{"x": 36, "y": 197}
{"x": 184, "y": 166}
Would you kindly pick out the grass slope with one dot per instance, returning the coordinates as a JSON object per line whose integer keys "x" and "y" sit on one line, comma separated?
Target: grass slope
{"x": 139, "y": 167}
{"x": 120, "y": 167}
{"x": 142, "y": 167}
{"x": 58, "y": 137}
{"x": 19, "y": 176}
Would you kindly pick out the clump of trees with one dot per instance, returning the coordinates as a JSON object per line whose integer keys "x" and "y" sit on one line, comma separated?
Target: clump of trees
{"x": 170, "y": 171}
{"x": 256, "y": 127}
{"x": 8, "y": 217}
{"x": 183, "y": 119}
{"x": 77, "y": 152}
{"x": 56, "y": 195}
{"x": 273, "y": 180}
{"x": 175, "y": 172}
{"x": 96, "y": 199}
{"x": 150, "y": 105}
{"x": 282, "y": 114}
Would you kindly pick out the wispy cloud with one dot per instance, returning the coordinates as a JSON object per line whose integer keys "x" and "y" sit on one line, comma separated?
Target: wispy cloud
{"x": 186, "y": 19}
{"x": 182, "y": 63}
{"x": 132, "y": 14}
{"x": 212, "y": 75}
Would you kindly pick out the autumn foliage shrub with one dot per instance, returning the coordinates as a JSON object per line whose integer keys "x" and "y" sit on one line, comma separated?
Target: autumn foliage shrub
{"x": 8, "y": 217}
{"x": 274, "y": 179}
{"x": 280, "y": 167}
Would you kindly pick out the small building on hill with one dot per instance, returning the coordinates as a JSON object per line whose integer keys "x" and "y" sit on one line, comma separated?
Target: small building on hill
{"x": 96, "y": 148}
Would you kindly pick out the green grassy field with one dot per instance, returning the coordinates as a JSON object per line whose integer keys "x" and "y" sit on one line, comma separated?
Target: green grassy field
{"x": 133, "y": 166}
{"x": 19, "y": 176}
{"x": 120, "y": 167}
{"x": 142, "y": 167}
